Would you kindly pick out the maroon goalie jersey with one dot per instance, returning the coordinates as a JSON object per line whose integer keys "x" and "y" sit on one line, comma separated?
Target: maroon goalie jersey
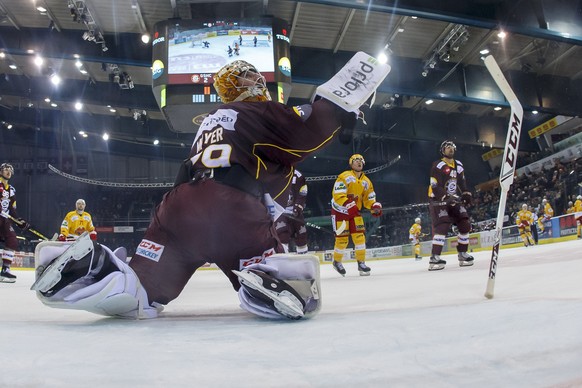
{"x": 220, "y": 218}
{"x": 265, "y": 138}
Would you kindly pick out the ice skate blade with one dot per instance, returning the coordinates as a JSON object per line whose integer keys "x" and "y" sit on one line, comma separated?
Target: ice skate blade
{"x": 52, "y": 274}
{"x": 465, "y": 263}
{"x": 362, "y": 273}
{"x": 7, "y": 280}
{"x": 283, "y": 304}
{"x": 436, "y": 267}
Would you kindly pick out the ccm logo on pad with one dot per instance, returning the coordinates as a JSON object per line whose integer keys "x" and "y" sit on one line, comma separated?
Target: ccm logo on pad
{"x": 150, "y": 250}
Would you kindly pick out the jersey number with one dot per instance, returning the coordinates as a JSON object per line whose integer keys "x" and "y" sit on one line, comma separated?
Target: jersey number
{"x": 214, "y": 156}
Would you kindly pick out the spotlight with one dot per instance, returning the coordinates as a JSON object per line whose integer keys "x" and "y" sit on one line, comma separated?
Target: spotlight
{"x": 145, "y": 38}
{"x": 55, "y": 79}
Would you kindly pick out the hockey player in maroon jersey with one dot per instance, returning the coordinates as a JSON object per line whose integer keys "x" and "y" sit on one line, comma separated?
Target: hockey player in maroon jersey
{"x": 242, "y": 159}
{"x": 7, "y": 233}
{"x": 447, "y": 181}
{"x": 291, "y": 224}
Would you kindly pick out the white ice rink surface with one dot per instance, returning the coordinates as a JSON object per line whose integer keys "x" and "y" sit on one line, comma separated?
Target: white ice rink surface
{"x": 401, "y": 327}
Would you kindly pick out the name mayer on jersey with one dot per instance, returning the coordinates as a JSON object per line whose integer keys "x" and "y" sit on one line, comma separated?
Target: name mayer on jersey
{"x": 210, "y": 132}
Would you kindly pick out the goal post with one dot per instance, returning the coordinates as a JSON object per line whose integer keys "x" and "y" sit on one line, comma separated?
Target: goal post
{"x": 508, "y": 163}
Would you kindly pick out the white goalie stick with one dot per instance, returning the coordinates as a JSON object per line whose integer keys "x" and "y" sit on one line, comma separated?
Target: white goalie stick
{"x": 508, "y": 162}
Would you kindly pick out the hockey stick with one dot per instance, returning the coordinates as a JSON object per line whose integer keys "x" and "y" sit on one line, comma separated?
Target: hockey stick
{"x": 341, "y": 228}
{"x": 508, "y": 162}
{"x": 30, "y": 229}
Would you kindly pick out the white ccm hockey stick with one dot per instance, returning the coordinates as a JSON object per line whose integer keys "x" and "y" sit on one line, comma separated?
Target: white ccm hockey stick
{"x": 508, "y": 164}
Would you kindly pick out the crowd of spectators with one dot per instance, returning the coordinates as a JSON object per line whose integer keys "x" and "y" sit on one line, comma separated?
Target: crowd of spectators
{"x": 111, "y": 206}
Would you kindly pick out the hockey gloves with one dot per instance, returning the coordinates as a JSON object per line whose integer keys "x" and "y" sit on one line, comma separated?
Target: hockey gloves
{"x": 352, "y": 208}
{"x": 376, "y": 209}
{"x": 452, "y": 200}
{"x": 62, "y": 237}
{"x": 467, "y": 198}
{"x": 23, "y": 224}
{"x": 93, "y": 235}
{"x": 297, "y": 210}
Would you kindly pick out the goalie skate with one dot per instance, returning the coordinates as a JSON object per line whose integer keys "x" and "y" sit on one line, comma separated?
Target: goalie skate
{"x": 52, "y": 273}
{"x": 278, "y": 291}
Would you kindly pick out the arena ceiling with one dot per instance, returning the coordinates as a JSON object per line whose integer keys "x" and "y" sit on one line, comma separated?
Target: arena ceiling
{"x": 435, "y": 49}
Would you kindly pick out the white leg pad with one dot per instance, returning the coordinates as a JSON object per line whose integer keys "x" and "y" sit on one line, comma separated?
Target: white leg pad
{"x": 119, "y": 294}
{"x": 355, "y": 83}
{"x": 299, "y": 271}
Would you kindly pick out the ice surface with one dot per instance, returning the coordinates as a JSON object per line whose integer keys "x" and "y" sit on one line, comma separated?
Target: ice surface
{"x": 403, "y": 326}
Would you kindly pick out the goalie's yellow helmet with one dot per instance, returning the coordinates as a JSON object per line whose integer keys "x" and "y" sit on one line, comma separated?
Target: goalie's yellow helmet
{"x": 356, "y": 156}
{"x": 240, "y": 81}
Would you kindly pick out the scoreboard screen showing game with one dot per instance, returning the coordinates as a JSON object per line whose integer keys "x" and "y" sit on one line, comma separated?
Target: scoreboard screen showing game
{"x": 187, "y": 53}
{"x": 197, "y": 49}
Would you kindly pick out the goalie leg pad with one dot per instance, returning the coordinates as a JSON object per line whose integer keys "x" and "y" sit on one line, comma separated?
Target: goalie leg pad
{"x": 118, "y": 294}
{"x": 47, "y": 277}
{"x": 355, "y": 83}
{"x": 283, "y": 286}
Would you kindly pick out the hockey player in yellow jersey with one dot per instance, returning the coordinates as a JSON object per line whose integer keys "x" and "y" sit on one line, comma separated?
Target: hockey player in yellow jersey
{"x": 414, "y": 235}
{"x": 547, "y": 214}
{"x": 352, "y": 191}
{"x": 578, "y": 215}
{"x": 570, "y": 209}
{"x": 76, "y": 222}
{"x": 524, "y": 220}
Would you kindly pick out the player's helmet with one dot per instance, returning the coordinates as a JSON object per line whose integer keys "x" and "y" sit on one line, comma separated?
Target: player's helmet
{"x": 570, "y": 203}
{"x": 417, "y": 220}
{"x": 445, "y": 144}
{"x": 7, "y": 166}
{"x": 356, "y": 156}
{"x": 524, "y": 206}
{"x": 544, "y": 201}
{"x": 579, "y": 197}
{"x": 228, "y": 82}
